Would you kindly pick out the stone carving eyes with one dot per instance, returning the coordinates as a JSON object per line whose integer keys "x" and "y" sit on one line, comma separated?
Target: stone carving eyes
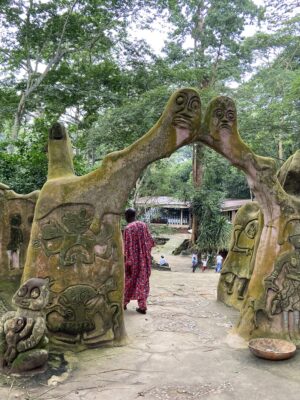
{"x": 219, "y": 113}
{"x": 194, "y": 104}
{"x": 35, "y": 293}
{"x": 230, "y": 115}
{"x": 180, "y": 100}
{"x": 22, "y": 291}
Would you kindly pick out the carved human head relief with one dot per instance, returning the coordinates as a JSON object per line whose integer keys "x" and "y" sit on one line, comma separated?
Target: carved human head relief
{"x": 33, "y": 294}
{"x": 187, "y": 106}
{"x": 222, "y": 117}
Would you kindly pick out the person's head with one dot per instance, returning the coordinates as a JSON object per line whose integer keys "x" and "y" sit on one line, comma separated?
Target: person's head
{"x": 162, "y": 256}
{"x": 130, "y": 214}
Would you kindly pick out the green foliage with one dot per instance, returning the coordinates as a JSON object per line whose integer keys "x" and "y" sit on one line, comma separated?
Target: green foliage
{"x": 74, "y": 60}
{"x": 269, "y": 101}
{"x": 216, "y": 30}
{"x": 25, "y": 169}
{"x": 169, "y": 178}
{"x": 214, "y": 229}
{"x": 120, "y": 126}
{"x": 66, "y": 53}
{"x": 221, "y": 176}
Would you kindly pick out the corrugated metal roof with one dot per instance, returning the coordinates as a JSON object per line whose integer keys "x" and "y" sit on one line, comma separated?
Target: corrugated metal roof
{"x": 171, "y": 202}
{"x": 233, "y": 204}
{"x": 161, "y": 201}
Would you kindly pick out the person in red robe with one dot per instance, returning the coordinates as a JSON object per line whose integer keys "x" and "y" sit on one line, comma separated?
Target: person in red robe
{"x": 138, "y": 243}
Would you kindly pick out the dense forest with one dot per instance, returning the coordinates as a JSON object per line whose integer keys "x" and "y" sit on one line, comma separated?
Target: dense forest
{"x": 86, "y": 63}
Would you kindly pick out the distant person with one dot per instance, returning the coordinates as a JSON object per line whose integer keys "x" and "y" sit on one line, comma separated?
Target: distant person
{"x": 138, "y": 243}
{"x": 219, "y": 263}
{"x": 204, "y": 264}
{"x": 163, "y": 262}
{"x": 194, "y": 261}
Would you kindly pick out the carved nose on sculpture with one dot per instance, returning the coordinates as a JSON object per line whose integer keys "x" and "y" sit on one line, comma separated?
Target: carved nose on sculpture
{"x": 57, "y": 132}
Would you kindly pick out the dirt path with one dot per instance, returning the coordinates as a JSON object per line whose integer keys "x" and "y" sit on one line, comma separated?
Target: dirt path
{"x": 177, "y": 263}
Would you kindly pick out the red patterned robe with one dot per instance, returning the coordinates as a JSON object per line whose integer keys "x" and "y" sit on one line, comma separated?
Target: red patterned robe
{"x": 138, "y": 243}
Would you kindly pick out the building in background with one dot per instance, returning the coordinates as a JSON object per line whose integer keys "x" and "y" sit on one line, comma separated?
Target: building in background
{"x": 229, "y": 207}
{"x": 164, "y": 210}
{"x": 171, "y": 211}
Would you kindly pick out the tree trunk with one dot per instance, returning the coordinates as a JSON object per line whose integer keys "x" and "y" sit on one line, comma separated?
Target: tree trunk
{"x": 18, "y": 117}
{"x": 280, "y": 148}
{"x": 198, "y": 169}
{"x": 137, "y": 189}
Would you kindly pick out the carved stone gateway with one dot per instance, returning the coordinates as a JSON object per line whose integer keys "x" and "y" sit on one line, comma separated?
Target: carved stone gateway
{"x": 272, "y": 304}
{"x": 16, "y": 215}
{"x": 76, "y": 238}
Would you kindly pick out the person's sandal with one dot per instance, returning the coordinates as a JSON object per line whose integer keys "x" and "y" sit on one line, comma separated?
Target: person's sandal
{"x": 140, "y": 310}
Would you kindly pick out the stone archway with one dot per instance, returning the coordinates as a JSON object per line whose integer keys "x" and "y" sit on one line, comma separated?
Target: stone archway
{"x": 271, "y": 306}
{"x": 76, "y": 238}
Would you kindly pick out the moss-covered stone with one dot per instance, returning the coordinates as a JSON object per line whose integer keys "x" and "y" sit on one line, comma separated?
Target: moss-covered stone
{"x": 22, "y": 332}
{"x": 238, "y": 266}
{"x": 76, "y": 238}
{"x": 277, "y": 249}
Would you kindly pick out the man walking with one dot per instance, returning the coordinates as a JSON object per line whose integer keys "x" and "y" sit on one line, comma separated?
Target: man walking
{"x": 138, "y": 243}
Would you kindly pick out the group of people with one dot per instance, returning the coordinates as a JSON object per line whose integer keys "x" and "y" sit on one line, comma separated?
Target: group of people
{"x": 138, "y": 243}
{"x": 203, "y": 263}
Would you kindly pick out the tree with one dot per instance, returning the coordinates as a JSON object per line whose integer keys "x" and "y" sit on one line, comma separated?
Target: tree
{"x": 214, "y": 229}
{"x": 216, "y": 55}
{"x": 52, "y": 51}
{"x": 270, "y": 100}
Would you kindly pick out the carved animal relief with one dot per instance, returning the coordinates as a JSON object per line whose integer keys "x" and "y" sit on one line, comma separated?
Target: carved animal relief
{"x": 83, "y": 314}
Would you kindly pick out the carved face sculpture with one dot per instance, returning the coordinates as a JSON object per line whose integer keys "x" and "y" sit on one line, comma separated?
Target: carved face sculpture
{"x": 223, "y": 117}
{"x": 32, "y": 295}
{"x": 251, "y": 229}
{"x": 187, "y": 106}
{"x": 57, "y": 132}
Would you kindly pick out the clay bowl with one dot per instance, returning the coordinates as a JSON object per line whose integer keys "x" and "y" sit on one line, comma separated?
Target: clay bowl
{"x": 272, "y": 349}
